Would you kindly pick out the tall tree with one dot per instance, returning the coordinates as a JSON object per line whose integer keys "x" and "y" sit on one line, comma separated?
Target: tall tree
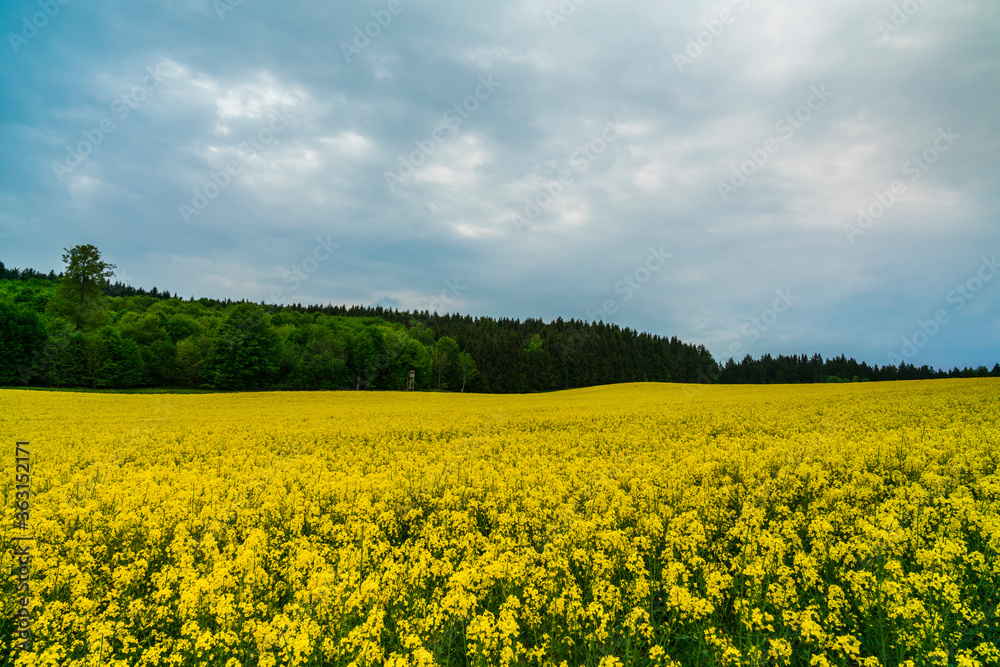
{"x": 191, "y": 355}
{"x": 22, "y": 336}
{"x": 245, "y": 352}
{"x": 467, "y": 367}
{"x": 80, "y": 297}
{"x": 444, "y": 356}
{"x": 367, "y": 357}
{"x": 317, "y": 359}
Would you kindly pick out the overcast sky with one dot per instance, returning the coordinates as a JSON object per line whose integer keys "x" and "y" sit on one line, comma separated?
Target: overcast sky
{"x": 683, "y": 168}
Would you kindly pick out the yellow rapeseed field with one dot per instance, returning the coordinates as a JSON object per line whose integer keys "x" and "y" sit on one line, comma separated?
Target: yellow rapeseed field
{"x": 645, "y": 524}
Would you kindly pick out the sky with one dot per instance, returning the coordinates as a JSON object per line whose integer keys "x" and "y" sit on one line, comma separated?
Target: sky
{"x": 757, "y": 177}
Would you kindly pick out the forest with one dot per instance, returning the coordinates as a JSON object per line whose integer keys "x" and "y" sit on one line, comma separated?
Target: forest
{"x": 78, "y": 329}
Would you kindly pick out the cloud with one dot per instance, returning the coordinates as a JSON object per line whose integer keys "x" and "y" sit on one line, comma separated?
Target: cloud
{"x": 221, "y": 82}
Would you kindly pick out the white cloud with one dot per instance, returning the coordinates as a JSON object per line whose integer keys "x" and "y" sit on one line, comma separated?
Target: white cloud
{"x": 681, "y": 133}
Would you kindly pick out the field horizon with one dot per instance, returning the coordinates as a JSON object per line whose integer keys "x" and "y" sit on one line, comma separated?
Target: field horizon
{"x": 698, "y": 385}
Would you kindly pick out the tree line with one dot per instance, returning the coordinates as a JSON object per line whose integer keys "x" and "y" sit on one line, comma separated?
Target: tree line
{"x": 804, "y": 369}
{"x": 78, "y": 329}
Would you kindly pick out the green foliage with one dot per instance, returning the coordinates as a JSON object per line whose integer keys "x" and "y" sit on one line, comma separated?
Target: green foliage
{"x": 53, "y": 365}
{"x": 466, "y": 368}
{"x": 316, "y": 358}
{"x": 144, "y": 329}
{"x": 244, "y": 354}
{"x": 160, "y": 361}
{"x": 444, "y": 358}
{"x": 419, "y": 331}
{"x": 193, "y": 343}
{"x": 196, "y": 342}
{"x": 180, "y": 326}
{"x": 80, "y": 296}
{"x": 190, "y": 359}
{"x": 107, "y": 359}
{"x": 367, "y": 358}
{"x": 383, "y": 357}
{"x": 33, "y": 294}
{"x": 410, "y": 355}
{"x": 535, "y": 344}
{"x": 22, "y": 336}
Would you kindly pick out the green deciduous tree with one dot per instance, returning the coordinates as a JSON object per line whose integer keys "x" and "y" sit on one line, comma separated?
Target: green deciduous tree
{"x": 245, "y": 351}
{"x": 180, "y": 326}
{"x": 108, "y": 360}
{"x": 466, "y": 367}
{"x": 54, "y": 365}
{"x": 412, "y": 355}
{"x": 191, "y": 355}
{"x": 22, "y": 336}
{"x": 160, "y": 360}
{"x": 535, "y": 344}
{"x": 440, "y": 363}
{"x": 402, "y": 354}
{"x": 367, "y": 357}
{"x": 80, "y": 297}
{"x": 444, "y": 355}
{"x": 316, "y": 358}
{"x": 143, "y": 328}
